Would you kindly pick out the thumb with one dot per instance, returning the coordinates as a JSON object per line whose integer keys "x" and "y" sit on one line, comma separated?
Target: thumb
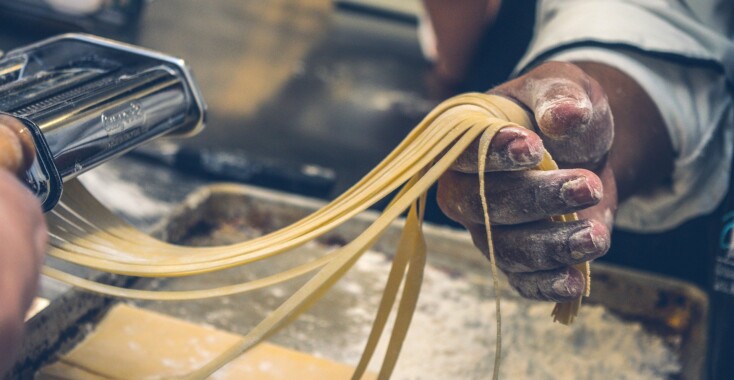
{"x": 17, "y": 149}
{"x": 570, "y": 109}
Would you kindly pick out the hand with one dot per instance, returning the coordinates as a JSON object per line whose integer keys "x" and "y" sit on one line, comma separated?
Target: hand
{"x": 574, "y": 123}
{"x": 457, "y": 29}
{"x": 22, "y": 242}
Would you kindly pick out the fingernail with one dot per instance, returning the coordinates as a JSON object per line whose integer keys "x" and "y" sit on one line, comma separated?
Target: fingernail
{"x": 523, "y": 152}
{"x": 578, "y": 192}
{"x": 583, "y": 243}
{"x": 560, "y": 116}
{"x": 568, "y": 286}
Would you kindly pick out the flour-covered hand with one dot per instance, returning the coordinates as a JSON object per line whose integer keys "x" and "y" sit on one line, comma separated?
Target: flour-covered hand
{"x": 574, "y": 123}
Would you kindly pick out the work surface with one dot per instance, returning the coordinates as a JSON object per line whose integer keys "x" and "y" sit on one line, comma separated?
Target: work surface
{"x": 657, "y": 333}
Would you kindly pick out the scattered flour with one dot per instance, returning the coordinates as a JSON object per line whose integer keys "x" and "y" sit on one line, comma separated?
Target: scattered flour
{"x": 452, "y": 337}
{"x": 453, "y": 331}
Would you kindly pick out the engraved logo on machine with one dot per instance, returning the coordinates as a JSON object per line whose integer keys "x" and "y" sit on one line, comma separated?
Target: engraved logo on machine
{"x": 124, "y": 124}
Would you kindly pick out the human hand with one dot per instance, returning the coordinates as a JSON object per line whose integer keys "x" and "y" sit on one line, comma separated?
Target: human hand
{"x": 456, "y": 29}
{"x": 574, "y": 123}
{"x": 22, "y": 239}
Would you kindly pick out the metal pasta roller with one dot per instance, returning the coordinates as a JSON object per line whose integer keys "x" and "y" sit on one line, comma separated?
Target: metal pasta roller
{"x": 86, "y": 100}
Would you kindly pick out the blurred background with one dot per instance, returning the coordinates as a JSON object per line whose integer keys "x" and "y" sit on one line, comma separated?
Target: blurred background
{"x": 333, "y": 84}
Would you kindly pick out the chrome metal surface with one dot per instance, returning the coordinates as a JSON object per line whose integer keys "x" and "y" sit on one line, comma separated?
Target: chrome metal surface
{"x": 93, "y": 99}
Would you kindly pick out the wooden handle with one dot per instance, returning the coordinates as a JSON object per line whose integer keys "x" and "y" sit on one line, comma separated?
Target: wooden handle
{"x": 17, "y": 149}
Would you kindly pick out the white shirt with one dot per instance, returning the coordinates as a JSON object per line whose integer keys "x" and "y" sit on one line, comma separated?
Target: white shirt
{"x": 681, "y": 53}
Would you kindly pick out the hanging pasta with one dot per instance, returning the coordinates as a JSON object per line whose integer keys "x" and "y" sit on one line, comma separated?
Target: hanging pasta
{"x": 83, "y": 232}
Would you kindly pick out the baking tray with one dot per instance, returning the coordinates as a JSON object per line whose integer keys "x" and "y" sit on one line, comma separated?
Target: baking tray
{"x": 669, "y": 310}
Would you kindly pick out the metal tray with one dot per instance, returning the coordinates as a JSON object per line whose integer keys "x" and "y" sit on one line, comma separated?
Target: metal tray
{"x": 336, "y": 327}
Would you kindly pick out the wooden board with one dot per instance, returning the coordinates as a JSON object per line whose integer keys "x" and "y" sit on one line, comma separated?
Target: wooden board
{"x": 132, "y": 343}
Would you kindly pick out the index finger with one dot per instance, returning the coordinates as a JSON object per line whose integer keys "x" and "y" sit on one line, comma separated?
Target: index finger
{"x": 512, "y": 148}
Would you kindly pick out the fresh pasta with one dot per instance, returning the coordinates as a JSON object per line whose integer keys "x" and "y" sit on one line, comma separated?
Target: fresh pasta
{"x": 83, "y": 232}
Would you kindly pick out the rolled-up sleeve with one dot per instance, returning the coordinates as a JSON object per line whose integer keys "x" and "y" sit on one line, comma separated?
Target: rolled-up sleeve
{"x": 683, "y": 64}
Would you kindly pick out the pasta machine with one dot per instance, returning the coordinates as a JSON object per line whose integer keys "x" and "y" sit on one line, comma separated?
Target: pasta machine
{"x": 86, "y": 100}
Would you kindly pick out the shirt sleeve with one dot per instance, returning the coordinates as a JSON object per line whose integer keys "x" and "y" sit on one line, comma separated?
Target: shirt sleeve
{"x": 686, "y": 80}
{"x": 665, "y": 28}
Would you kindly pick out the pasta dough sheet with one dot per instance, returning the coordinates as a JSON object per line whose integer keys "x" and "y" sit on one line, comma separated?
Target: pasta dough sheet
{"x": 133, "y": 343}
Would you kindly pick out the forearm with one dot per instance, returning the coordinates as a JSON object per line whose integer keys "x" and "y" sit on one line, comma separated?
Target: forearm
{"x": 458, "y": 26}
